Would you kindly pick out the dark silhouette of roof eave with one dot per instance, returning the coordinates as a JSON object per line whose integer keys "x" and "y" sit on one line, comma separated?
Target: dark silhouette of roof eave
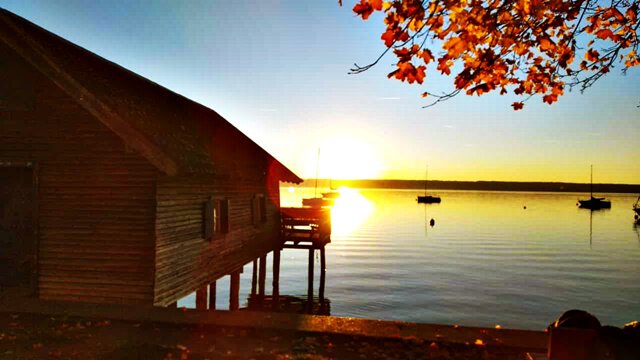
{"x": 176, "y": 134}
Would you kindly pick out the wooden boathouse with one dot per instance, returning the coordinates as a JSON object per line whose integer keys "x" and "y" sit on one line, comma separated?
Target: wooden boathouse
{"x": 114, "y": 189}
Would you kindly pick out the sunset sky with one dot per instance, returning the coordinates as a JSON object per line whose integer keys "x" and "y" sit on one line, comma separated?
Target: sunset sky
{"x": 277, "y": 70}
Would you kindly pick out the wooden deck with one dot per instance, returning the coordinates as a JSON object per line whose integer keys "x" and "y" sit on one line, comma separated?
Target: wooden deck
{"x": 309, "y": 229}
{"x": 305, "y": 228}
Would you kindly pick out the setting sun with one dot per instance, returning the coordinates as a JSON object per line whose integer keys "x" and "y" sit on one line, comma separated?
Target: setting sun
{"x": 347, "y": 157}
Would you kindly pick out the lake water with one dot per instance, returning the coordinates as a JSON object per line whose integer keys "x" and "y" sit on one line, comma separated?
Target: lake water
{"x": 487, "y": 260}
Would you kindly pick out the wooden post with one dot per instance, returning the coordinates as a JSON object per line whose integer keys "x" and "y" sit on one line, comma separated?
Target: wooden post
{"x": 310, "y": 282}
{"x": 323, "y": 271}
{"x": 201, "y": 298}
{"x": 234, "y": 291}
{"x": 262, "y": 275}
{"x": 254, "y": 277}
{"x": 212, "y": 296}
{"x": 275, "y": 294}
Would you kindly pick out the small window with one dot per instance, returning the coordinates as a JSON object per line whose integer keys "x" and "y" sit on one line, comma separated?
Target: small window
{"x": 259, "y": 209}
{"x": 216, "y": 218}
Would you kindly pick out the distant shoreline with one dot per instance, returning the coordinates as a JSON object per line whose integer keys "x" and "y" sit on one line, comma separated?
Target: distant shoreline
{"x": 476, "y": 185}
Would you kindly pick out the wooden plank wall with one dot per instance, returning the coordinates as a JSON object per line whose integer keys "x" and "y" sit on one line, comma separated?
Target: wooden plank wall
{"x": 96, "y": 198}
{"x": 186, "y": 261}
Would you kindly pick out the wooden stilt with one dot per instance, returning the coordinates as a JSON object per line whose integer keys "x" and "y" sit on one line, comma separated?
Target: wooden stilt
{"x": 323, "y": 271}
{"x": 310, "y": 282}
{"x": 275, "y": 294}
{"x": 262, "y": 276}
{"x": 201, "y": 298}
{"x": 254, "y": 277}
{"x": 212, "y": 296}
{"x": 234, "y": 291}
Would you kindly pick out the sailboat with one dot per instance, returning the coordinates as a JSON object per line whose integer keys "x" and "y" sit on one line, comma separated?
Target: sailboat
{"x": 636, "y": 208}
{"x": 427, "y": 199}
{"x": 316, "y": 201}
{"x": 332, "y": 193}
{"x": 594, "y": 203}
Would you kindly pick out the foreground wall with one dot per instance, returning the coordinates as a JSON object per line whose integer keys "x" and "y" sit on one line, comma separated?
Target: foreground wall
{"x": 95, "y": 198}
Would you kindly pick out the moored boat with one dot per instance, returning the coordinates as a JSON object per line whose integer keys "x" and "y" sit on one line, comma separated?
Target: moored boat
{"x": 318, "y": 202}
{"x": 331, "y": 194}
{"x": 428, "y": 199}
{"x": 594, "y": 203}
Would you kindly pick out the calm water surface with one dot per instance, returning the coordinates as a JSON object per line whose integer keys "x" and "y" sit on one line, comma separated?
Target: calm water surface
{"x": 486, "y": 261}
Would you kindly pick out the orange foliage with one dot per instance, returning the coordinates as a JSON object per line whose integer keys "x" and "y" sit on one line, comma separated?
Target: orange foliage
{"x": 527, "y": 47}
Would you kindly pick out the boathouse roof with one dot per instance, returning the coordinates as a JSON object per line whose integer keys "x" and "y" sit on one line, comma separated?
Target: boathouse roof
{"x": 175, "y": 134}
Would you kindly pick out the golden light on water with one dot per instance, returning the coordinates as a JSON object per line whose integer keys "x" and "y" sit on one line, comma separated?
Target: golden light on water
{"x": 350, "y": 211}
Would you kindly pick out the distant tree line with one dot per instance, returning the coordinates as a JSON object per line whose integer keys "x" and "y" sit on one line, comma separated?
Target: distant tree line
{"x": 477, "y": 185}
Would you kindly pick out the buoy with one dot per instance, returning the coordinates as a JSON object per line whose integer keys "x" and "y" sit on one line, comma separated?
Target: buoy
{"x": 432, "y": 222}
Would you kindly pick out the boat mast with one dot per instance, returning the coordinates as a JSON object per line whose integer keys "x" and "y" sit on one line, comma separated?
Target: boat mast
{"x": 591, "y": 186}
{"x": 426, "y": 179}
{"x": 315, "y": 193}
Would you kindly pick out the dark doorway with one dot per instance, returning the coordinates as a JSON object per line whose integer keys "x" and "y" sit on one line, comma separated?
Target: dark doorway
{"x": 17, "y": 232}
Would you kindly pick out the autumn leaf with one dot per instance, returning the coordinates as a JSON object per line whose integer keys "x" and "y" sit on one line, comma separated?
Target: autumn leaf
{"x": 592, "y": 55}
{"x": 517, "y": 105}
{"x": 388, "y": 37}
{"x": 426, "y": 56}
{"x": 455, "y": 46}
{"x": 363, "y": 9}
{"x": 604, "y": 34}
{"x": 546, "y": 44}
{"x": 376, "y": 4}
{"x": 550, "y": 98}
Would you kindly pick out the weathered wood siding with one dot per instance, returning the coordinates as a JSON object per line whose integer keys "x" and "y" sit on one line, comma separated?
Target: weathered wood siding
{"x": 184, "y": 259}
{"x": 96, "y": 198}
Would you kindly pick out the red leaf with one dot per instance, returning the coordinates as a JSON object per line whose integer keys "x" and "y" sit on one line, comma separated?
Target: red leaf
{"x": 388, "y": 37}
{"x": 517, "y": 105}
{"x": 363, "y": 9}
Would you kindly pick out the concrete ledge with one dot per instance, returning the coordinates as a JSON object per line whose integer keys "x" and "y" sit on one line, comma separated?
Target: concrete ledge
{"x": 526, "y": 340}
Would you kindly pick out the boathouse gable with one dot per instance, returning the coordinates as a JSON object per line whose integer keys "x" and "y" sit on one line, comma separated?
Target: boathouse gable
{"x": 126, "y": 174}
{"x": 92, "y": 213}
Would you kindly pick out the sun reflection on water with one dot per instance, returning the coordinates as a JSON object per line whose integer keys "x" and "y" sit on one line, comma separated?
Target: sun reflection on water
{"x": 351, "y": 209}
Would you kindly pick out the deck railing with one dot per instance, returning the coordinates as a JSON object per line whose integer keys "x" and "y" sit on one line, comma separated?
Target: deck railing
{"x": 305, "y": 227}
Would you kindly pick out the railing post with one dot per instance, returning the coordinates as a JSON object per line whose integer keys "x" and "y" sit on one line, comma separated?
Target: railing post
{"x": 276, "y": 279}
{"x": 262, "y": 276}
{"x": 254, "y": 278}
{"x": 323, "y": 271}
{"x": 310, "y": 282}
{"x": 201, "y": 298}
{"x": 234, "y": 291}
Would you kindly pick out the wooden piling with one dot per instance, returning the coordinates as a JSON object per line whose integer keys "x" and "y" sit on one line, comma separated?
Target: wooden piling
{"x": 323, "y": 271}
{"x": 262, "y": 276}
{"x": 201, "y": 298}
{"x": 234, "y": 291}
{"x": 254, "y": 277}
{"x": 212, "y": 296}
{"x": 310, "y": 281}
{"x": 275, "y": 294}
